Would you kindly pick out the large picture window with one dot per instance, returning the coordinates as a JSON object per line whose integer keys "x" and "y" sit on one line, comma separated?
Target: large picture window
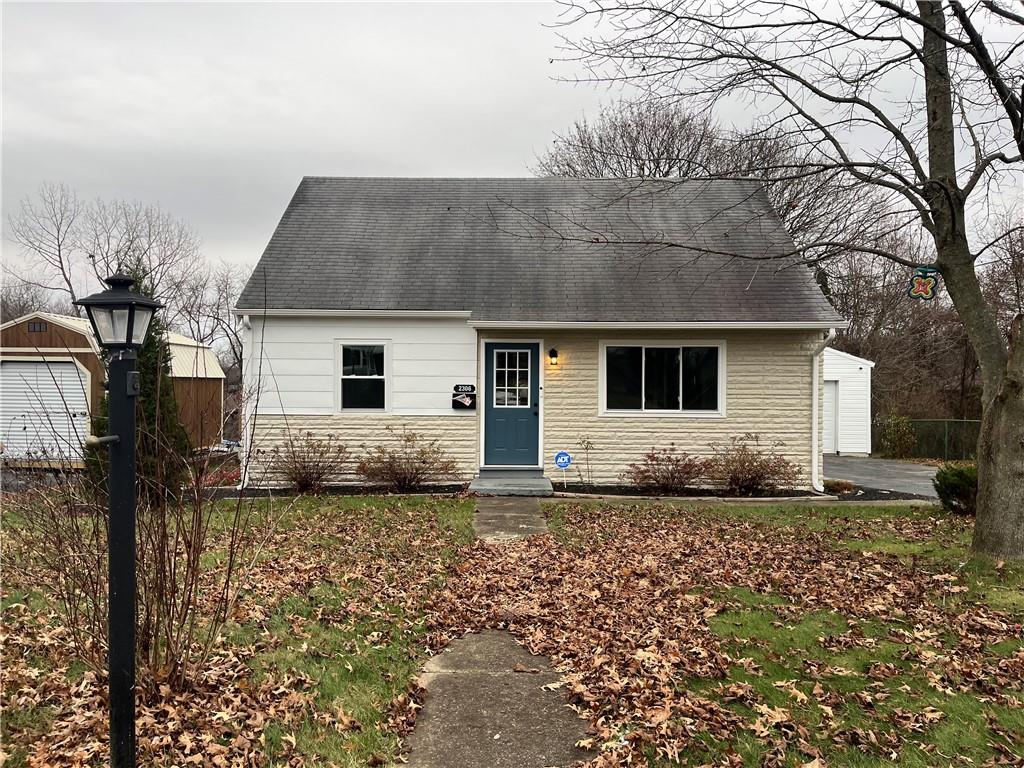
{"x": 362, "y": 377}
{"x": 669, "y": 378}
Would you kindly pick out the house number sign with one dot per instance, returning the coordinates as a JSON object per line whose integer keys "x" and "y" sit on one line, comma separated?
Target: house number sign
{"x": 464, "y": 396}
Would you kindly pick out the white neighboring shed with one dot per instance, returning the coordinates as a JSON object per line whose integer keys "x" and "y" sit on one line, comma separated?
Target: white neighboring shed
{"x": 846, "y": 414}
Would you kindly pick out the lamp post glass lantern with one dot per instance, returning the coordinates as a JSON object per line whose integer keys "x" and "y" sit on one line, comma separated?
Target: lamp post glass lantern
{"x": 120, "y": 319}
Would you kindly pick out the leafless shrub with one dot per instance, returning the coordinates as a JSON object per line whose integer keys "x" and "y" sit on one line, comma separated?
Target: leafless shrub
{"x": 59, "y": 534}
{"x": 898, "y": 438}
{"x": 663, "y": 470}
{"x": 308, "y": 461}
{"x": 409, "y": 466}
{"x": 585, "y": 472}
{"x": 745, "y": 468}
{"x": 183, "y": 598}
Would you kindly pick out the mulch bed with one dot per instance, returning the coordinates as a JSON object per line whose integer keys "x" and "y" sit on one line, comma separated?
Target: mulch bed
{"x": 859, "y": 493}
{"x": 232, "y": 492}
{"x": 632, "y": 490}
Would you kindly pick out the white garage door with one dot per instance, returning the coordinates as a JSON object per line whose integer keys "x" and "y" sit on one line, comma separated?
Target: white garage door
{"x": 44, "y": 410}
{"x": 829, "y": 417}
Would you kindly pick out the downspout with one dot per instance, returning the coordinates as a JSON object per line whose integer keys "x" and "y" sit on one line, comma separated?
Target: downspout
{"x": 243, "y": 476}
{"x": 816, "y": 483}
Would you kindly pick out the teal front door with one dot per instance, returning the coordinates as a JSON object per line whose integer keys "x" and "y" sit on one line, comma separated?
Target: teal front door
{"x": 511, "y": 404}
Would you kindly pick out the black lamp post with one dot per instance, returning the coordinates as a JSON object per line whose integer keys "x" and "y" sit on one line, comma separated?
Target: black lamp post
{"x": 120, "y": 319}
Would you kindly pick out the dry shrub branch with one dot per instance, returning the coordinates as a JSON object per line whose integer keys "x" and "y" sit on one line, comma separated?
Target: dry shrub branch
{"x": 746, "y": 468}
{"x": 411, "y": 464}
{"x": 664, "y": 470}
{"x": 183, "y": 596}
{"x": 309, "y": 462}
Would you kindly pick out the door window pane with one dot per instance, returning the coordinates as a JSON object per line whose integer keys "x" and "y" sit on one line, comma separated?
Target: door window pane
{"x": 511, "y": 379}
{"x": 661, "y": 379}
{"x": 623, "y": 384}
{"x": 700, "y": 378}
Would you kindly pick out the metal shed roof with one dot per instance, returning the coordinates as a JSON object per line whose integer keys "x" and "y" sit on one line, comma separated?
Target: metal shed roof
{"x": 189, "y": 358}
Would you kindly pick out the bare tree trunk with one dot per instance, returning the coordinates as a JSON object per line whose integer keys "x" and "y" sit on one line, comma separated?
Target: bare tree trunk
{"x": 999, "y": 527}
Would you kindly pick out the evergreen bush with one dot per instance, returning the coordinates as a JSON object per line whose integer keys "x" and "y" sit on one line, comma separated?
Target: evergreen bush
{"x": 957, "y": 487}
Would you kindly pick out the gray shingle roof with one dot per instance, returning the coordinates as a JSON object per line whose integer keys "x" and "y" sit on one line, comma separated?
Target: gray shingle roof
{"x": 542, "y": 250}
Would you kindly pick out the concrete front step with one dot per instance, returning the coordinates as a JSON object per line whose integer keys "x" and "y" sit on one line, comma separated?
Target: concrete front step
{"x": 511, "y": 483}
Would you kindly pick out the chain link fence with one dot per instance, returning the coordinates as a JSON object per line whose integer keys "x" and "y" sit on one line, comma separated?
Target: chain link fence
{"x": 947, "y": 439}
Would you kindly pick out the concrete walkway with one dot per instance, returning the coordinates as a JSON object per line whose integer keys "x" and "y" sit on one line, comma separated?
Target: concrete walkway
{"x": 500, "y": 518}
{"x": 486, "y": 707}
{"x": 886, "y": 475}
{"x": 488, "y": 703}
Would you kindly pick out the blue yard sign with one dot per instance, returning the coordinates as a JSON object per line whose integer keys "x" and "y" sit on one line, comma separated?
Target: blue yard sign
{"x": 562, "y": 460}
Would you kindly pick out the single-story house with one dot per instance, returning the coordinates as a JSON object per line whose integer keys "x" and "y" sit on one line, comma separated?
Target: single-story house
{"x": 846, "y": 410}
{"x": 52, "y": 379}
{"x": 509, "y": 319}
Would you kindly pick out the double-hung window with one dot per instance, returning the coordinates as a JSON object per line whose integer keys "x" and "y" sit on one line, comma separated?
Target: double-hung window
{"x": 362, "y": 376}
{"x": 664, "y": 378}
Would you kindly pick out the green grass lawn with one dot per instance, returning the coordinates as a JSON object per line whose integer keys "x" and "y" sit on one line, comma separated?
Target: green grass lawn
{"x": 734, "y": 635}
{"x": 359, "y": 661}
{"x": 333, "y": 612}
{"x": 900, "y": 688}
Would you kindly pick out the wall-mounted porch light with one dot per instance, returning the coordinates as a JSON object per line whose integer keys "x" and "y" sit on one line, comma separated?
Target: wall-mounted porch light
{"x": 553, "y": 356}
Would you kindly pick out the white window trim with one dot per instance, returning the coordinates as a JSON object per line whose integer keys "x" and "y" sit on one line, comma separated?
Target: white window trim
{"x": 602, "y": 398}
{"x": 387, "y": 377}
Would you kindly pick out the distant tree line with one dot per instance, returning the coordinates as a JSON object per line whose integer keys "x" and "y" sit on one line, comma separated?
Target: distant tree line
{"x": 68, "y": 245}
{"x": 925, "y": 366}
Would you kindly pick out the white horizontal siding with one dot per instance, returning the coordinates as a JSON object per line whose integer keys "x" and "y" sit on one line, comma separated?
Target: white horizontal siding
{"x": 853, "y": 400}
{"x": 425, "y": 359}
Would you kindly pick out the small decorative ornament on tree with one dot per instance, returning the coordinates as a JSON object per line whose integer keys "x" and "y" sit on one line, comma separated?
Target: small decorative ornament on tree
{"x": 924, "y": 283}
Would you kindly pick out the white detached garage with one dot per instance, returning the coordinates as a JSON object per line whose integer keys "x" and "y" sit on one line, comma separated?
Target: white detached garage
{"x": 846, "y": 414}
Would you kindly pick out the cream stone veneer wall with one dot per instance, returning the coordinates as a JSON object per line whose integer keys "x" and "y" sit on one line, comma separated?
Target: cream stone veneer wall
{"x": 456, "y": 435}
{"x": 768, "y": 391}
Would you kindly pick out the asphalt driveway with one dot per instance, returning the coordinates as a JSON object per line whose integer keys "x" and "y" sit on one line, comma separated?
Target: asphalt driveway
{"x": 899, "y": 476}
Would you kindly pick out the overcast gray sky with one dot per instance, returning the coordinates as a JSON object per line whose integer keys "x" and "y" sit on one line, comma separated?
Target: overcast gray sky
{"x": 216, "y": 111}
